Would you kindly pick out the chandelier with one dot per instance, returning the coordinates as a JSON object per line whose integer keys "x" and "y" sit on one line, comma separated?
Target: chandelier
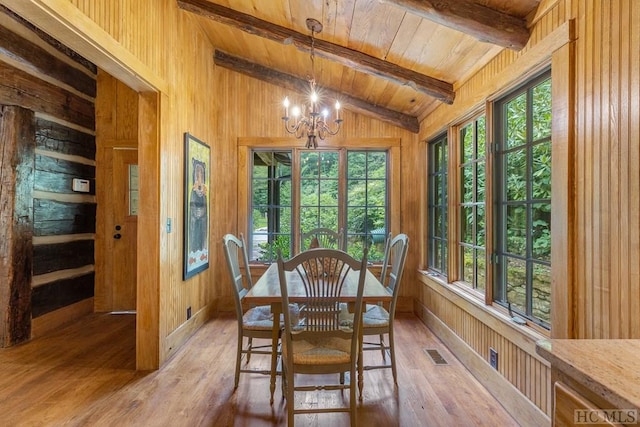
{"x": 311, "y": 119}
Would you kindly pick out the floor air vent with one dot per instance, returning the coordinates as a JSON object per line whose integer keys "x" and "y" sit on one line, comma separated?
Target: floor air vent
{"x": 435, "y": 356}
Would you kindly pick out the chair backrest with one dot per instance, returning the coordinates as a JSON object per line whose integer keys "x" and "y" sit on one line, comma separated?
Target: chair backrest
{"x": 235, "y": 251}
{"x": 326, "y": 238}
{"x": 395, "y": 255}
{"x": 325, "y": 275}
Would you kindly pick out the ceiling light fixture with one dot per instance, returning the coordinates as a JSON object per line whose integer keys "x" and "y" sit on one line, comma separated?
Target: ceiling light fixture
{"x": 311, "y": 119}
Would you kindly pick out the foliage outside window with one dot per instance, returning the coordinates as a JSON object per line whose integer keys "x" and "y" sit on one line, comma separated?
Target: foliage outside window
{"x": 437, "y": 205}
{"x": 472, "y": 245}
{"x": 337, "y": 190}
{"x": 523, "y": 163}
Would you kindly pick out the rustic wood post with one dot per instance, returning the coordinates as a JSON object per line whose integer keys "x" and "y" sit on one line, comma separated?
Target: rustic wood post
{"x": 17, "y": 157}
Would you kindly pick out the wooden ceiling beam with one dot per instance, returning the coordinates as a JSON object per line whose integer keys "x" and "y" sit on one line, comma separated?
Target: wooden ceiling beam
{"x": 485, "y": 24}
{"x": 431, "y": 86}
{"x": 298, "y": 85}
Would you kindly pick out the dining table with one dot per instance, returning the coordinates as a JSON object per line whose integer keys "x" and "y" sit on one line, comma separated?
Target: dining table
{"x": 266, "y": 291}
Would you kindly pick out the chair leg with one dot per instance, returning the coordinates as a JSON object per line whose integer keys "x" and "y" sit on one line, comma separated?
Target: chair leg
{"x": 352, "y": 400}
{"x": 384, "y": 356}
{"x": 392, "y": 350}
{"x": 249, "y": 347}
{"x": 290, "y": 385}
{"x": 238, "y": 357}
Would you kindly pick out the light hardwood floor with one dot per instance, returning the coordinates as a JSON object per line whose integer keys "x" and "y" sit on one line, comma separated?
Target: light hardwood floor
{"x": 84, "y": 375}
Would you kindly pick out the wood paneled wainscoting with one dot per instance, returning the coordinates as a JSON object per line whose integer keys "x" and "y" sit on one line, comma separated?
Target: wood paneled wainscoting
{"x": 521, "y": 381}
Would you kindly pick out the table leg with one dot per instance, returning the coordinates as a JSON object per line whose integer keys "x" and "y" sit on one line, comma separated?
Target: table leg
{"x": 276, "y": 309}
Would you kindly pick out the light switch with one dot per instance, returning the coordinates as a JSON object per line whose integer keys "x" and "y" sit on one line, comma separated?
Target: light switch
{"x": 168, "y": 225}
{"x": 81, "y": 185}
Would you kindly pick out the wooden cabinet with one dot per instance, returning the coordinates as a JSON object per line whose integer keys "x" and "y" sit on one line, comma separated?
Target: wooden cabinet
{"x": 571, "y": 408}
{"x": 595, "y": 382}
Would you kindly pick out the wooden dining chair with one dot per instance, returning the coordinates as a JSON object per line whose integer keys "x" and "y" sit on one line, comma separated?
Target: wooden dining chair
{"x": 322, "y": 238}
{"x": 321, "y": 343}
{"x": 256, "y": 322}
{"x": 378, "y": 320}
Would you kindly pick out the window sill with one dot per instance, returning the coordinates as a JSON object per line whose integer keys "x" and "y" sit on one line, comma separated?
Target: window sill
{"x": 497, "y": 318}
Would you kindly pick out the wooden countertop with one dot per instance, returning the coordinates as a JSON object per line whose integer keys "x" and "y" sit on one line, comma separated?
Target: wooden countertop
{"x": 609, "y": 368}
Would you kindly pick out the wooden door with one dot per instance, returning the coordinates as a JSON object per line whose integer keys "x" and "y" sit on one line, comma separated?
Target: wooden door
{"x": 122, "y": 229}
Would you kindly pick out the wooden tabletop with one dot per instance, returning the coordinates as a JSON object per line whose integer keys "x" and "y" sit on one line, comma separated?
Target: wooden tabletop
{"x": 267, "y": 289}
{"x": 609, "y": 368}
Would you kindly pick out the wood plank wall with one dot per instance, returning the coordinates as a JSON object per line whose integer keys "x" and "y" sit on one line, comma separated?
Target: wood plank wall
{"x": 605, "y": 213}
{"x": 59, "y": 87}
{"x": 171, "y": 44}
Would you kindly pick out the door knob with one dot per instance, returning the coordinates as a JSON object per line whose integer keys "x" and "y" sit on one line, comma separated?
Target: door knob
{"x": 117, "y": 236}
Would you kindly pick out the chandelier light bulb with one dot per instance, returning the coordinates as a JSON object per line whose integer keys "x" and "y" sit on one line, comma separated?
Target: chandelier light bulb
{"x": 296, "y": 111}
{"x": 314, "y": 97}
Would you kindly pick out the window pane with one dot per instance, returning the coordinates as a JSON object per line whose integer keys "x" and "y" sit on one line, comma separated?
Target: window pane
{"x": 480, "y": 181}
{"x": 434, "y": 250}
{"x": 541, "y": 181}
{"x": 482, "y": 136}
{"x": 467, "y": 265}
{"x": 542, "y": 110}
{"x": 517, "y": 283}
{"x": 309, "y": 194}
{"x": 309, "y": 164}
{"x": 541, "y": 231}
{"x": 516, "y": 230}
{"x": 480, "y": 226}
{"x": 467, "y": 184}
{"x": 516, "y": 121}
{"x": 437, "y": 222}
{"x": 377, "y": 167}
{"x": 308, "y": 218}
{"x": 328, "y": 218}
{"x": 466, "y": 226}
{"x": 357, "y": 161}
{"x": 329, "y": 192}
{"x": 467, "y": 143}
{"x": 329, "y": 164}
{"x": 376, "y": 188}
{"x": 481, "y": 267}
{"x": 285, "y": 192}
{"x": 541, "y": 302}
{"x": 516, "y": 163}
{"x": 259, "y": 189}
{"x": 376, "y": 219}
{"x": 356, "y": 218}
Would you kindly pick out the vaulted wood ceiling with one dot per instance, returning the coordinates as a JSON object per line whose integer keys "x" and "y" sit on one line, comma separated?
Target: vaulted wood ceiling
{"x": 395, "y": 60}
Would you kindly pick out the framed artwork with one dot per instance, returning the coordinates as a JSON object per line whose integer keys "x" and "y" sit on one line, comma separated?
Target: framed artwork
{"x": 197, "y": 173}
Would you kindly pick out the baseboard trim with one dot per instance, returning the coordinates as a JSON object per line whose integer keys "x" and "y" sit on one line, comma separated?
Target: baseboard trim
{"x": 516, "y": 403}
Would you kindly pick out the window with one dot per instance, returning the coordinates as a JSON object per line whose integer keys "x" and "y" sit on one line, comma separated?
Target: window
{"x": 437, "y": 205}
{"x": 271, "y": 205}
{"x": 471, "y": 245}
{"x": 366, "y": 207}
{"x": 502, "y": 200}
{"x": 298, "y": 190}
{"x": 523, "y": 202}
